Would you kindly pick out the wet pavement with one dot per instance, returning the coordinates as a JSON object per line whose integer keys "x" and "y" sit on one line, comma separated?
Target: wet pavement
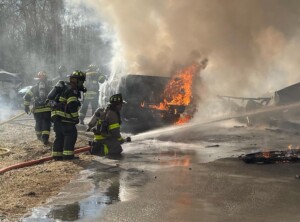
{"x": 190, "y": 175}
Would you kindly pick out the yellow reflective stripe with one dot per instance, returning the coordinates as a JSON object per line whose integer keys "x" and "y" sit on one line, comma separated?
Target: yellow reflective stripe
{"x": 30, "y": 93}
{"x": 61, "y": 113}
{"x": 57, "y": 153}
{"x": 99, "y": 121}
{"x": 62, "y": 99}
{"x": 68, "y": 153}
{"x": 46, "y": 132}
{"x": 66, "y": 121}
{"x": 114, "y": 126}
{"x": 74, "y": 114}
{"x": 120, "y": 139}
{"x": 71, "y": 99}
{"x": 38, "y": 132}
{"x": 91, "y": 73}
{"x": 99, "y": 137}
{"x": 44, "y": 106}
{"x": 105, "y": 149}
{"x": 26, "y": 103}
{"x": 40, "y": 110}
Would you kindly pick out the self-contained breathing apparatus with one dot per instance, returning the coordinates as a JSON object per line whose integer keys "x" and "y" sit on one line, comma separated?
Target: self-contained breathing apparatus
{"x": 61, "y": 86}
{"x": 40, "y": 99}
{"x": 101, "y": 131}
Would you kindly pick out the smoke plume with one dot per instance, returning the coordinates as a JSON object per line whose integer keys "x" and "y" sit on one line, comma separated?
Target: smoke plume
{"x": 251, "y": 45}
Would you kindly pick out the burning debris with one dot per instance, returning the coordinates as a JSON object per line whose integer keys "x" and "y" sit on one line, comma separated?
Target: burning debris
{"x": 288, "y": 156}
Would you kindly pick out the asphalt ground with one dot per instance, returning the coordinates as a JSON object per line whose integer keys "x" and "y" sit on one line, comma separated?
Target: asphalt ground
{"x": 192, "y": 175}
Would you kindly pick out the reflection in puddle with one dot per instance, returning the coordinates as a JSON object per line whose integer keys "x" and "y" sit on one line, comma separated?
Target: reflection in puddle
{"x": 110, "y": 187}
{"x": 69, "y": 212}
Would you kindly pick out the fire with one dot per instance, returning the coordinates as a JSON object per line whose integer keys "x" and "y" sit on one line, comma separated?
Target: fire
{"x": 178, "y": 91}
{"x": 266, "y": 155}
{"x": 183, "y": 119}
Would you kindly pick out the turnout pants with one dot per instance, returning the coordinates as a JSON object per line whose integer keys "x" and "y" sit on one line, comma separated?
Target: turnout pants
{"x": 42, "y": 125}
{"x": 106, "y": 147}
{"x": 65, "y": 139}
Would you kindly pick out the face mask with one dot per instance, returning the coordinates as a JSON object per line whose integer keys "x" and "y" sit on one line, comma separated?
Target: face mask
{"x": 80, "y": 86}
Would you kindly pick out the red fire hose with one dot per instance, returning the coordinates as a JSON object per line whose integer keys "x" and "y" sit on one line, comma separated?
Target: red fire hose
{"x": 33, "y": 162}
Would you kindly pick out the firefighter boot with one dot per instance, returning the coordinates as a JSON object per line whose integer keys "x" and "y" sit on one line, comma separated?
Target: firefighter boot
{"x": 45, "y": 139}
{"x": 70, "y": 157}
{"x": 81, "y": 121}
{"x": 38, "y": 135}
{"x": 58, "y": 158}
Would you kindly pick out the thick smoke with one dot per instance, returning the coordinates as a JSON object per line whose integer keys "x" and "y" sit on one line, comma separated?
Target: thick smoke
{"x": 251, "y": 44}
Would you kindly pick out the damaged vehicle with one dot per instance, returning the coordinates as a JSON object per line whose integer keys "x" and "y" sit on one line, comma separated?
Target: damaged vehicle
{"x": 155, "y": 101}
{"x": 143, "y": 95}
{"x": 282, "y": 108}
{"x": 9, "y": 85}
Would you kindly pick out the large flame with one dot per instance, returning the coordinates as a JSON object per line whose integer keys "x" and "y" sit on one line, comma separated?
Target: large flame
{"x": 178, "y": 92}
{"x": 179, "y": 89}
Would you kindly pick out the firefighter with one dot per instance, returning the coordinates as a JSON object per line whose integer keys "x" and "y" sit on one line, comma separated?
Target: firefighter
{"x": 62, "y": 74}
{"x": 93, "y": 80}
{"x": 64, "y": 98}
{"x": 107, "y": 137}
{"x": 41, "y": 110}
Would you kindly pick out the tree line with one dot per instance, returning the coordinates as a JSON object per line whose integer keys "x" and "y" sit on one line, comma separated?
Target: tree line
{"x": 40, "y": 35}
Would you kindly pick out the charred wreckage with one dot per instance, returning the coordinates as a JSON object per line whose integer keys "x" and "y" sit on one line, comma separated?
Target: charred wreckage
{"x": 155, "y": 101}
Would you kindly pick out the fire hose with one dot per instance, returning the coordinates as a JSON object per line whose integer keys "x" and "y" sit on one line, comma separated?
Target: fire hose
{"x": 4, "y": 151}
{"x": 13, "y": 118}
{"x": 33, "y": 162}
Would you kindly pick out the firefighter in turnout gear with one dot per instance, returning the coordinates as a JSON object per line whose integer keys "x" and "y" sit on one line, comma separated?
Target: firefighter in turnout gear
{"x": 64, "y": 100}
{"x": 93, "y": 80}
{"x": 62, "y": 74}
{"x": 41, "y": 110}
{"x": 106, "y": 127}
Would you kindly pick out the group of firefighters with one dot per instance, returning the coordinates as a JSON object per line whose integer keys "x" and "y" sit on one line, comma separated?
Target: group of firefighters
{"x": 61, "y": 105}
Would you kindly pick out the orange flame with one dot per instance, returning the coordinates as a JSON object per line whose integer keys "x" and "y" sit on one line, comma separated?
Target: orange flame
{"x": 183, "y": 119}
{"x": 178, "y": 91}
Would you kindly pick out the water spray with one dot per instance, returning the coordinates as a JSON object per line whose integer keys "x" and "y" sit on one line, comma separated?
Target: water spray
{"x": 175, "y": 129}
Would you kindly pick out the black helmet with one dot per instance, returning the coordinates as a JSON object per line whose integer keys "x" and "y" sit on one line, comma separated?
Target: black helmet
{"x": 62, "y": 69}
{"x": 78, "y": 75}
{"x": 116, "y": 99}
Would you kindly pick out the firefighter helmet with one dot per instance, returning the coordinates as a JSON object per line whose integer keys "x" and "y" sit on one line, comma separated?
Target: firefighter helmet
{"x": 78, "y": 75}
{"x": 92, "y": 68}
{"x": 116, "y": 99}
{"x": 42, "y": 75}
{"x": 62, "y": 69}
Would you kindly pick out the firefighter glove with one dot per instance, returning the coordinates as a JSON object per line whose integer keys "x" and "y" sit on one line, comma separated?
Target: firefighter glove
{"x": 76, "y": 121}
{"x": 27, "y": 109}
{"x": 89, "y": 129}
{"x": 128, "y": 139}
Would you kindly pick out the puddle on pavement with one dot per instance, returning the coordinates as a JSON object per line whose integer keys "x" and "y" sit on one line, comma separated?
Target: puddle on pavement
{"x": 87, "y": 196}
{"x": 106, "y": 184}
